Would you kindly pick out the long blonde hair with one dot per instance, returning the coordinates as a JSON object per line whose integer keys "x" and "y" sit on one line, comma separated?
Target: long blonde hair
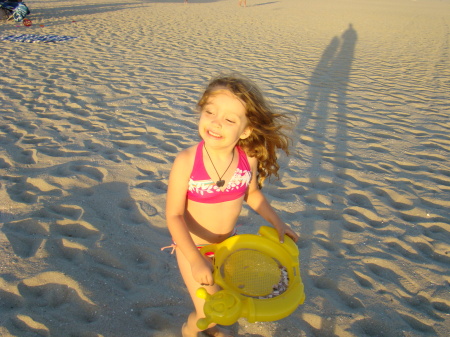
{"x": 267, "y": 130}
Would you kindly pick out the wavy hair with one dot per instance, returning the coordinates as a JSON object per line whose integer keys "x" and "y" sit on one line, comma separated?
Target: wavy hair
{"x": 267, "y": 128}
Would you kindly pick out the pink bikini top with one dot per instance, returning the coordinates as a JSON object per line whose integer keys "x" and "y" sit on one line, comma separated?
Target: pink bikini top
{"x": 203, "y": 189}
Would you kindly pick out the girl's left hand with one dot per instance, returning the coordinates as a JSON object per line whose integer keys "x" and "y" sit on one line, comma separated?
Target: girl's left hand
{"x": 286, "y": 230}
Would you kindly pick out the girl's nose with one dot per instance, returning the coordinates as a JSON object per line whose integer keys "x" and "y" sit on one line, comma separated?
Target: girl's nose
{"x": 217, "y": 121}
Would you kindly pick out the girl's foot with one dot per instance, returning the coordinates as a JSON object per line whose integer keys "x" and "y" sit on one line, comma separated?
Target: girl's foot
{"x": 217, "y": 331}
{"x": 186, "y": 332}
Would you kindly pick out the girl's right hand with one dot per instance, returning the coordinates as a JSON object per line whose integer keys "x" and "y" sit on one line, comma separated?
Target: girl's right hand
{"x": 202, "y": 271}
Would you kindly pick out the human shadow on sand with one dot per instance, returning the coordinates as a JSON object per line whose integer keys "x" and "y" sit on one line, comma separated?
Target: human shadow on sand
{"x": 322, "y": 126}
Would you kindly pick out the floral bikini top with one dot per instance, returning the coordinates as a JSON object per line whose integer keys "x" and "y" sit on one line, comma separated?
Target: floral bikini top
{"x": 203, "y": 189}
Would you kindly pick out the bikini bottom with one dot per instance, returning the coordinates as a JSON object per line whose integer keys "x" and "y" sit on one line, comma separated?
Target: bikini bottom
{"x": 173, "y": 246}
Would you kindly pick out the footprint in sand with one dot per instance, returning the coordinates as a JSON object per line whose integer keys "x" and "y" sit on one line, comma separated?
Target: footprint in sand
{"x": 157, "y": 187}
{"x": 331, "y": 287}
{"x": 26, "y": 236}
{"x": 125, "y": 208}
{"x": 55, "y": 290}
{"x": 59, "y": 151}
{"x": 360, "y": 198}
{"x": 110, "y": 153}
{"x": 18, "y": 141}
{"x": 74, "y": 212}
{"x": 30, "y": 190}
{"x": 28, "y": 156}
{"x": 80, "y": 168}
{"x": 5, "y": 162}
{"x": 30, "y": 237}
{"x": 10, "y": 298}
{"x": 373, "y": 326}
{"x": 72, "y": 239}
{"x": 11, "y": 132}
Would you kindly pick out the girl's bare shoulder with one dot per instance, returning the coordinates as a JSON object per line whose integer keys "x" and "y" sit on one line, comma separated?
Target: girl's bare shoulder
{"x": 186, "y": 156}
{"x": 182, "y": 166}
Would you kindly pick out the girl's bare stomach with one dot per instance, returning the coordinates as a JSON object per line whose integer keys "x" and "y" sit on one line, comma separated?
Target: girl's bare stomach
{"x": 212, "y": 223}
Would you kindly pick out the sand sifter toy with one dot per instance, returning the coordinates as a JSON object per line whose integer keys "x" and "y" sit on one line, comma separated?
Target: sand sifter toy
{"x": 259, "y": 276}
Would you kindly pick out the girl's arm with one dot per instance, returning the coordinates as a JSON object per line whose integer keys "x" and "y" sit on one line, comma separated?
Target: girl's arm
{"x": 175, "y": 209}
{"x": 258, "y": 202}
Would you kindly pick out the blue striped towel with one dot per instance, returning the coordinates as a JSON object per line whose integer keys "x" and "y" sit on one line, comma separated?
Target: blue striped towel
{"x": 34, "y": 38}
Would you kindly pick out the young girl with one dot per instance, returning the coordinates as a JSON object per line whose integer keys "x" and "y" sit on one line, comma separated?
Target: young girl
{"x": 210, "y": 181}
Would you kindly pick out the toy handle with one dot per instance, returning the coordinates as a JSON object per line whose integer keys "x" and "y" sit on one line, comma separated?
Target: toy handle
{"x": 223, "y": 307}
{"x": 272, "y": 234}
{"x": 209, "y": 250}
{"x": 203, "y": 323}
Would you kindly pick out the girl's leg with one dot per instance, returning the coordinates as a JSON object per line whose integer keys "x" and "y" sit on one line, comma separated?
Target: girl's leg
{"x": 190, "y": 327}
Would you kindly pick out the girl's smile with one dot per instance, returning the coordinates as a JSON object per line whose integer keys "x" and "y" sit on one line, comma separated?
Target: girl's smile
{"x": 213, "y": 134}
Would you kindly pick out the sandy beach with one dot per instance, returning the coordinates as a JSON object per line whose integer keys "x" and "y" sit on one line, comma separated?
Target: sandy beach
{"x": 89, "y": 128}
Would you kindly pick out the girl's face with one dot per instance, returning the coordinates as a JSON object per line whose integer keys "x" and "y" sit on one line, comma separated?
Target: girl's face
{"x": 223, "y": 120}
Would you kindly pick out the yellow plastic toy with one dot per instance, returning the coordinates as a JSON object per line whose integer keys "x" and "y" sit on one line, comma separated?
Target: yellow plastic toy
{"x": 259, "y": 276}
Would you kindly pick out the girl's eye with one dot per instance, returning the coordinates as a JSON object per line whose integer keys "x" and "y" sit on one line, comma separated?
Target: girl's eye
{"x": 230, "y": 121}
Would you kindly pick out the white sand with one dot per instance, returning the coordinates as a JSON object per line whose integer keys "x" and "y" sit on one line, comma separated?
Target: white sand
{"x": 89, "y": 129}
